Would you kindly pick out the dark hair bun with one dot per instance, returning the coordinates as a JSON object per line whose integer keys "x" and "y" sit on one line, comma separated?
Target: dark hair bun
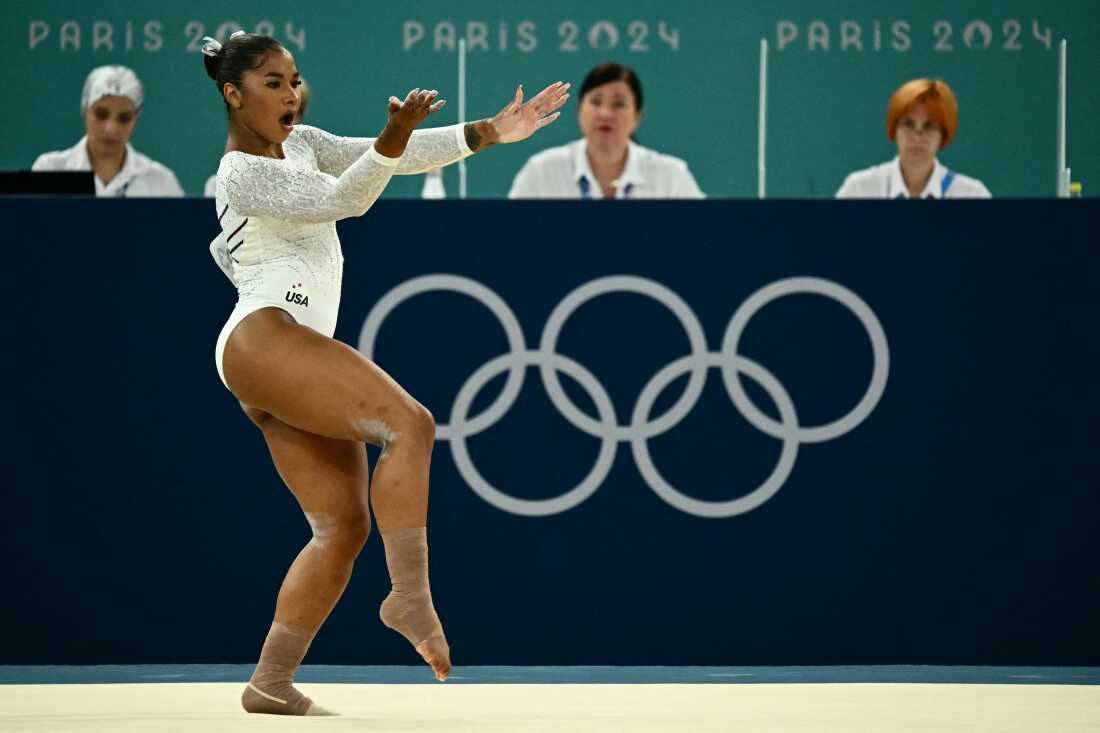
{"x": 212, "y": 64}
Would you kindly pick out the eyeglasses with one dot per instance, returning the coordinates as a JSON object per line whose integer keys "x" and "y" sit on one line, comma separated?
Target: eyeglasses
{"x": 927, "y": 127}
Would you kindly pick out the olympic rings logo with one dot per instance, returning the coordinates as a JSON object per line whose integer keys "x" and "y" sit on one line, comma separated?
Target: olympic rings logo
{"x": 642, "y": 425}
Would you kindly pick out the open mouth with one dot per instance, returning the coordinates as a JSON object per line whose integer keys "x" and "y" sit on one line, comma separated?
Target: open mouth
{"x": 287, "y": 120}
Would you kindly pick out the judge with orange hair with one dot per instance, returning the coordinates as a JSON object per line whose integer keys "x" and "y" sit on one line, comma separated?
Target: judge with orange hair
{"x": 921, "y": 119}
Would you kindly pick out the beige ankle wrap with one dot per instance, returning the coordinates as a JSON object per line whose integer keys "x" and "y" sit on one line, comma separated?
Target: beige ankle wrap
{"x": 408, "y": 608}
{"x": 271, "y": 689}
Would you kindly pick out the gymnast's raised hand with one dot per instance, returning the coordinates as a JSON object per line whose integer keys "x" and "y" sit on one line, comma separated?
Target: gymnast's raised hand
{"x": 418, "y": 104}
{"x": 517, "y": 121}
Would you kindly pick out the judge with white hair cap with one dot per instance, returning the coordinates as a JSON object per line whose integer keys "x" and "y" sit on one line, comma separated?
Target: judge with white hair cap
{"x": 110, "y": 104}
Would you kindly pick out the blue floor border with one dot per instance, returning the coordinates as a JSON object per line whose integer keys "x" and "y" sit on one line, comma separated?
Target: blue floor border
{"x": 153, "y": 673}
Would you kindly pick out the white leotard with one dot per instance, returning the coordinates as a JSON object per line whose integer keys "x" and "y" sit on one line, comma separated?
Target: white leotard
{"x": 278, "y": 242}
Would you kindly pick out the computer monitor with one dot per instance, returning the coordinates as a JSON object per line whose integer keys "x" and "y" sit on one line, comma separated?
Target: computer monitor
{"x": 47, "y": 183}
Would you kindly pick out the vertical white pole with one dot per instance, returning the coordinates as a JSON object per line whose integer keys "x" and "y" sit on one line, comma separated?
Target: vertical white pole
{"x": 762, "y": 132}
{"x": 462, "y": 111}
{"x": 1063, "y": 180}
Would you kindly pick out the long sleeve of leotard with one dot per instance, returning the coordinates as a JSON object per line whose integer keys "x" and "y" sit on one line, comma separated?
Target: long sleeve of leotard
{"x": 426, "y": 149}
{"x": 257, "y": 186}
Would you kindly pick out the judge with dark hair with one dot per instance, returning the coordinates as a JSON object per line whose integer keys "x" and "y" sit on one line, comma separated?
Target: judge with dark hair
{"x": 607, "y": 162}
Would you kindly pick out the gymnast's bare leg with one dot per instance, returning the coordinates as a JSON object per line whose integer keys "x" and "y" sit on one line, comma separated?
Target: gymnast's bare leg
{"x": 329, "y": 479}
{"x": 316, "y": 400}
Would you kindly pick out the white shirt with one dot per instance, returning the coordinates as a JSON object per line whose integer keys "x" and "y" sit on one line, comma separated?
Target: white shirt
{"x": 140, "y": 176}
{"x": 885, "y": 182}
{"x": 563, "y": 173}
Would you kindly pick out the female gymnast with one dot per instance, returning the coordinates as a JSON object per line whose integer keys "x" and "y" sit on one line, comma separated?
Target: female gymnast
{"x": 280, "y": 190}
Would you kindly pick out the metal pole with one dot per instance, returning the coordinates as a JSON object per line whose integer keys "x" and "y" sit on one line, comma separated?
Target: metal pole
{"x": 761, "y": 166}
{"x": 1063, "y": 179}
{"x": 462, "y": 111}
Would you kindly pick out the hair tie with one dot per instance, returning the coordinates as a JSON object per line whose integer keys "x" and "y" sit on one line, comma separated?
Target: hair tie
{"x": 210, "y": 46}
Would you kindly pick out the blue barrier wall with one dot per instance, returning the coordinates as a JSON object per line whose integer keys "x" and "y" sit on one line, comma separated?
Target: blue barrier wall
{"x": 955, "y": 523}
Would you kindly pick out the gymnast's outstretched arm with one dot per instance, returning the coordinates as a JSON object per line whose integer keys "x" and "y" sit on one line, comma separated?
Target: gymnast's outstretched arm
{"x": 426, "y": 149}
{"x": 441, "y": 146}
{"x": 258, "y": 186}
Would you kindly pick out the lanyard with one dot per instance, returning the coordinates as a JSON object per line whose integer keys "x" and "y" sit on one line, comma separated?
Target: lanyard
{"x": 586, "y": 188}
{"x": 946, "y": 182}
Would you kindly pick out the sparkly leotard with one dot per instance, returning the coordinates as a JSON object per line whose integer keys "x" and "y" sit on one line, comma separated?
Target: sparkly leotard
{"x": 278, "y": 242}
